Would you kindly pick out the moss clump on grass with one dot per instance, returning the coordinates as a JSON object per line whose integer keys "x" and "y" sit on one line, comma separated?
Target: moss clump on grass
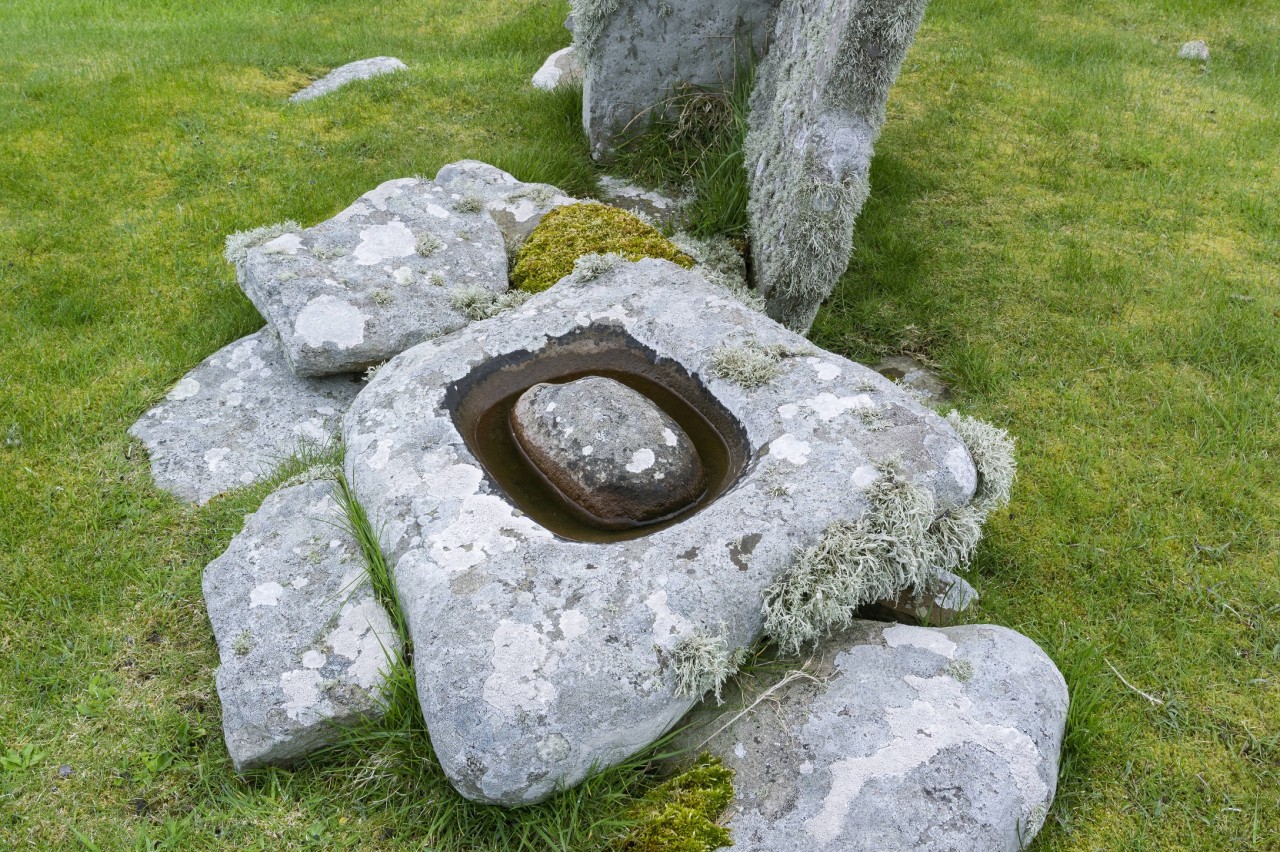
{"x": 568, "y": 233}
{"x": 680, "y": 815}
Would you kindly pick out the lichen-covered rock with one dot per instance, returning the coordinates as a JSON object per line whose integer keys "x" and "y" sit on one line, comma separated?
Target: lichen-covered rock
{"x": 516, "y": 207}
{"x": 816, "y": 112}
{"x": 540, "y": 658}
{"x": 560, "y": 69}
{"x": 303, "y": 641}
{"x": 635, "y": 52}
{"x": 939, "y": 602}
{"x": 915, "y": 738}
{"x": 234, "y": 418}
{"x": 569, "y": 233}
{"x": 375, "y": 279}
{"x": 608, "y": 449}
{"x": 648, "y": 204}
{"x": 362, "y": 69}
{"x": 1196, "y": 50}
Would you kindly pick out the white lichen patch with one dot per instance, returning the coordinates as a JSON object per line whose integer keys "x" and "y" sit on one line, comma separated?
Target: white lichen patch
{"x": 789, "y": 448}
{"x": 380, "y": 243}
{"x": 641, "y": 460}
{"x": 521, "y": 658}
{"x": 328, "y": 319}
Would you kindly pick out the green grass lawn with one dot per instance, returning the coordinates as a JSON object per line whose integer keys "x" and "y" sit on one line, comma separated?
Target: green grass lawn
{"x": 1082, "y": 231}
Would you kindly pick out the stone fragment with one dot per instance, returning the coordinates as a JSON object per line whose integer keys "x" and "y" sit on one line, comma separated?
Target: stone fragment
{"x": 515, "y": 206}
{"x": 547, "y": 656}
{"x": 939, "y": 603}
{"x": 915, "y": 738}
{"x": 362, "y": 69}
{"x": 234, "y": 418}
{"x": 375, "y": 279}
{"x": 608, "y": 449}
{"x": 634, "y": 53}
{"x": 303, "y": 641}
{"x": 648, "y": 204}
{"x": 560, "y": 69}
{"x": 917, "y": 377}
{"x": 1197, "y": 50}
{"x": 816, "y": 112}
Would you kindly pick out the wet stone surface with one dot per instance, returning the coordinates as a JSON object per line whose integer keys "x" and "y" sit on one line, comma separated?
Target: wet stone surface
{"x": 608, "y": 449}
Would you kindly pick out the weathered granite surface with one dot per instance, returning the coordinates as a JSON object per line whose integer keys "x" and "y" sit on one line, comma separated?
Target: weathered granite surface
{"x": 234, "y": 418}
{"x": 375, "y": 279}
{"x": 634, "y": 53}
{"x": 560, "y": 69}
{"x": 917, "y": 739}
{"x": 515, "y": 206}
{"x": 816, "y": 112}
{"x": 302, "y": 640}
{"x": 548, "y": 656}
{"x": 608, "y": 448}
{"x": 362, "y": 69}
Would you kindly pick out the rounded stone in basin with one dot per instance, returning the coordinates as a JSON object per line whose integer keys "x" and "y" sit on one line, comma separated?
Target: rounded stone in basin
{"x": 608, "y": 449}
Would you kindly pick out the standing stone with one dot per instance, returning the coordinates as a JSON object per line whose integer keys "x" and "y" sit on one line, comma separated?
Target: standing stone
{"x": 234, "y": 418}
{"x": 302, "y": 639}
{"x": 376, "y": 279}
{"x": 816, "y": 112}
{"x": 609, "y": 449}
{"x": 635, "y": 53}
{"x": 362, "y": 69}
{"x": 911, "y": 738}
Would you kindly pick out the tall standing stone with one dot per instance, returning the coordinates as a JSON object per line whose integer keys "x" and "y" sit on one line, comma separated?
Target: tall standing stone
{"x": 817, "y": 109}
{"x": 636, "y": 52}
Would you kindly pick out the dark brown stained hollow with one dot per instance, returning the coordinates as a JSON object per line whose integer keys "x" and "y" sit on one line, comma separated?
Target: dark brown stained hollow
{"x": 481, "y": 405}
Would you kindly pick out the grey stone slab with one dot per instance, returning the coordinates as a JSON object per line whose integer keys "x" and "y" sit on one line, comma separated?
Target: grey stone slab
{"x": 1196, "y": 50}
{"x": 303, "y": 642}
{"x": 515, "y": 206}
{"x": 540, "y": 657}
{"x": 648, "y": 204}
{"x": 816, "y": 112}
{"x": 234, "y": 418}
{"x": 915, "y": 738}
{"x": 635, "y": 53}
{"x": 362, "y": 69}
{"x": 560, "y": 69}
{"x": 375, "y": 279}
{"x": 917, "y": 377}
{"x": 608, "y": 448}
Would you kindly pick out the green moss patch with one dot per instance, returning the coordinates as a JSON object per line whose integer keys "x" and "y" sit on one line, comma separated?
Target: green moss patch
{"x": 568, "y": 233}
{"x": 680, "y": 815}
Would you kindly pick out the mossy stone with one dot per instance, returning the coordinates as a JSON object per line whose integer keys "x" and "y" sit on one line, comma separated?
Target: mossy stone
{"x": 568, "y": 233}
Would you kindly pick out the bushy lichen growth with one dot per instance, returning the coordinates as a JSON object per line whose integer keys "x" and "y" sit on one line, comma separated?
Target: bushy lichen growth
{"x": 469, "y": 204}
{"x": 703, "y": 664}
{"x": 590, "y": 17}
{"x": 750, "y": 364}
{"x": 428, "y": 244}
{"x": 478, "y": 304}
{"x": 567, "y": 233}
{"x": 719, "y": 262}
{"x": 239, "y": 243}
{"x": 900, "y": 542}
{"x": 803, "y": 208}
{"x": 680, "y": 815}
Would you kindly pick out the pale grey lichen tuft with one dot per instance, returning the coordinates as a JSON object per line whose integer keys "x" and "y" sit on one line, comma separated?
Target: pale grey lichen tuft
{"x": 719, "y": 262}
{"x": 589, "y": 267}
{"x": 590, "y": 18}
{"x": 478, "y": 304}
{"x": 469, "y": 204}
{"x": 428, "y": 244}
{"x": 239, "y": 243}
{"x": 750, "y": 364}
{"x": 900, "y": 542}
{"x": 704, "y": 663}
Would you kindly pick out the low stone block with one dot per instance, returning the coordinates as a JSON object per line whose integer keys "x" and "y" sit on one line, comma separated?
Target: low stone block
{"x": 376, "y": 279}
{"x": 233, "y": 419}
{"x": 816, "y": 112}
{"x": 303, "y": 641}
{"x": 560, "y": 69}
{"x": 540, "y": 657}
{"x": 516, "y": 207}
{"x": 912, "y": 738}
{"x": 362, "y": 69}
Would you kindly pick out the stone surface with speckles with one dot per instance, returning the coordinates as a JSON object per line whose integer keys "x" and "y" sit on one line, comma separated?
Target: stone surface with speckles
{"x": 516, "y": 207}
{"x": 608, "y": 449}
{"x": 560, "y": 69}
{"x": 234, "y": 418}
{"x": 540, "y": 657}
{"x": 303, "y": 641}
{"x": 362, "y": 69}
{"x": 912, "y": 738}
{"x": 375, "y": 279}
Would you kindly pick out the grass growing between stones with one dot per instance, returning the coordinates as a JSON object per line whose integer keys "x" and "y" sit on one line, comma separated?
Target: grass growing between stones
{"x": 1078, "y": 228}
